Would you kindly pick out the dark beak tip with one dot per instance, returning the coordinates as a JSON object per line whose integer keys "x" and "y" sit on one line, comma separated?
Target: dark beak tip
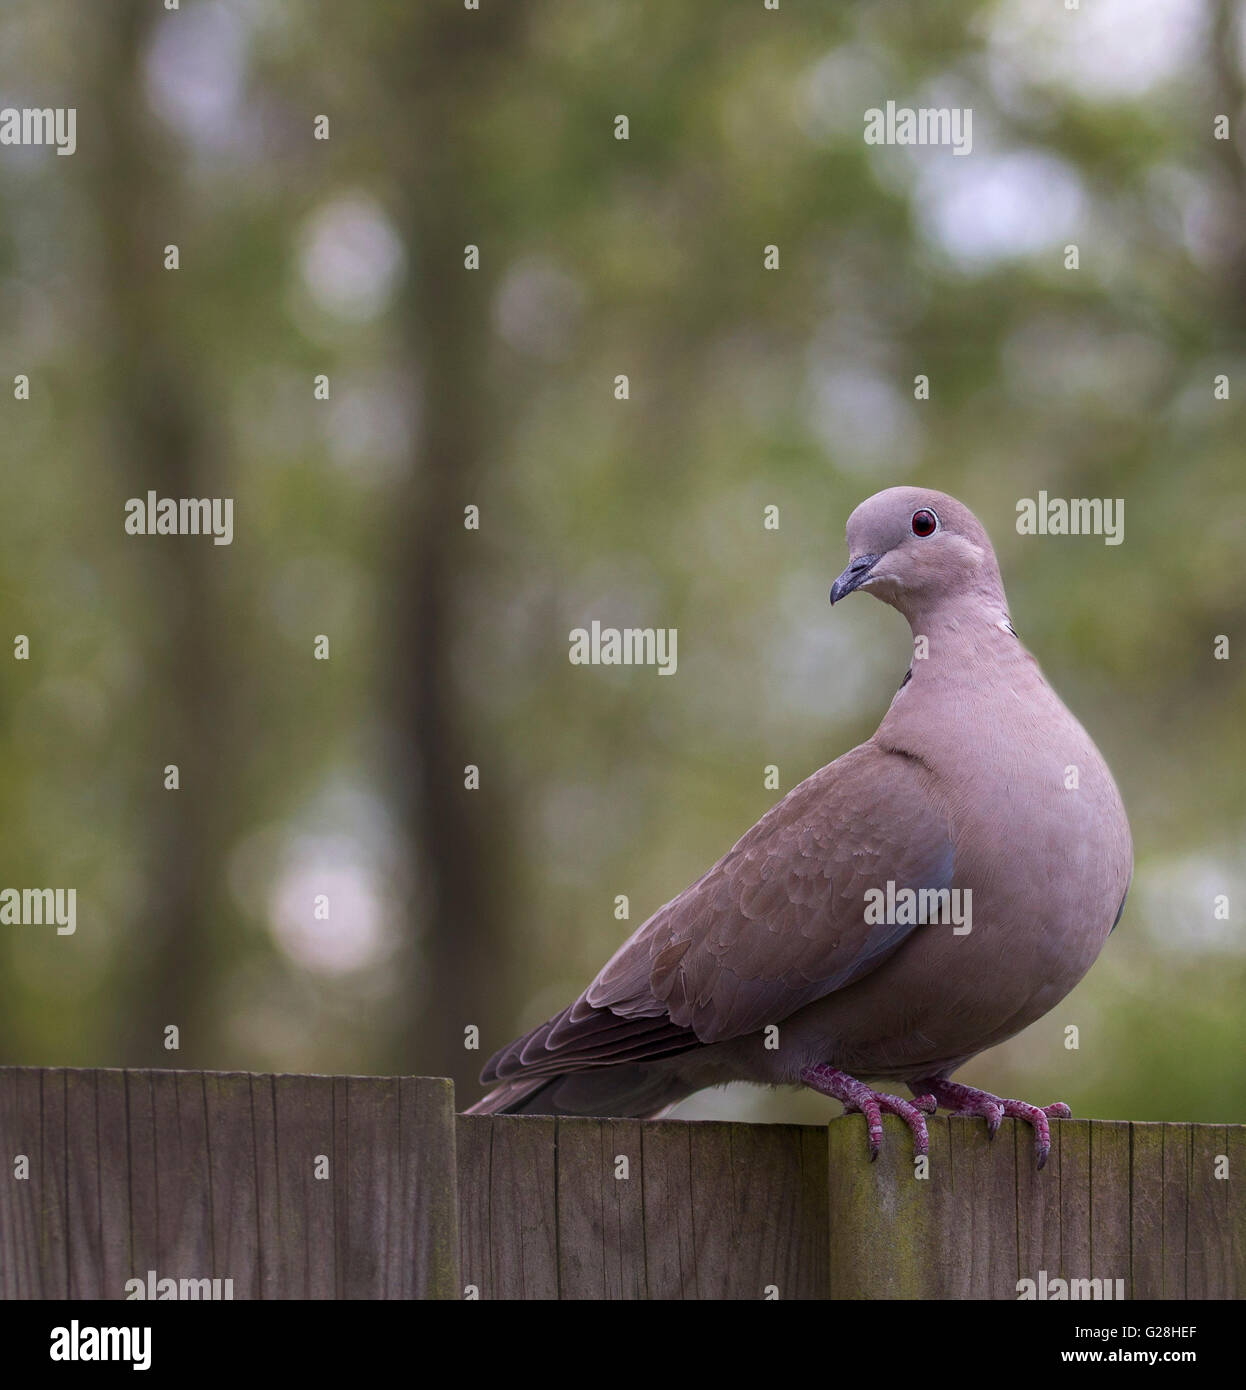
{"x": 853, "y": 577}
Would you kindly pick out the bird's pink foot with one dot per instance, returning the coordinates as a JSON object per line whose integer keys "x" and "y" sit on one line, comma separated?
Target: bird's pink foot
{"x": 856, "y": 1096}
{"x": 968, "y": 1100}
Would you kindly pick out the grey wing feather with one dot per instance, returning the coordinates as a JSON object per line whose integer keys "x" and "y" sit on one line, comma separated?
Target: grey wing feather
{"x": 778, "y": 922}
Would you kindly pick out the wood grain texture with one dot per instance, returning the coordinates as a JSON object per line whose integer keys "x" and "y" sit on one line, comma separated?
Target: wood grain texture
{"x": 371, "y": 1188}
{"x": 508, "y": 1207}
{"x": 953, "y": 1233}
{"x": 1110, "y": 1205}
{"x": 1161, "y": 1208}
{"x": 1174, "y": 1184}
{"x": 202, "y": 1175}
{"x": 605, "y": 1209}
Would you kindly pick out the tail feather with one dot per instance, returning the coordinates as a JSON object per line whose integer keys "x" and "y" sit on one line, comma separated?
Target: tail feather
{"x": 617, "y": 1092}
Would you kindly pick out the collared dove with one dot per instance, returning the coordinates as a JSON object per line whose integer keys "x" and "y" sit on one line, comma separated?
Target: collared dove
{"x": 794, "y": 959}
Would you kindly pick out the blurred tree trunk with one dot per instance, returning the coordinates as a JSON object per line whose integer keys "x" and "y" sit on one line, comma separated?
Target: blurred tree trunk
{"x": 457, "y": 964}
{"x": 1230, "y": 96}
{"x": 147, "y": 386}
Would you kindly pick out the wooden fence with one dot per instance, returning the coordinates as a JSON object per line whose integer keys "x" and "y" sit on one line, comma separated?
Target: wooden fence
{"x": 371, "y": 1187}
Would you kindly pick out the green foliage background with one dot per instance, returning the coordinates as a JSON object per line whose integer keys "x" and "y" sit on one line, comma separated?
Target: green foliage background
{"x": 495, "y": 388}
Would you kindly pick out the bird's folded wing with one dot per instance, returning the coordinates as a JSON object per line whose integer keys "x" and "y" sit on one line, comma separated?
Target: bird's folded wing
{"x": 778, "y": 922}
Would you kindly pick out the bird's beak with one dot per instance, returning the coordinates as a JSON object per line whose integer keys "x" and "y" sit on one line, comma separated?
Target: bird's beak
{"x": 854, "y": 576}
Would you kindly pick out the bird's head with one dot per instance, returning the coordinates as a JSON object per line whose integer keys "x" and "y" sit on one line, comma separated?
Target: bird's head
{"x": 919, "y": 550}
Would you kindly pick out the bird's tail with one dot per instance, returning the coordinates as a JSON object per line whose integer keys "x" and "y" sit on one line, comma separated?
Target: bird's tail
{"x": 620, "y": 1092}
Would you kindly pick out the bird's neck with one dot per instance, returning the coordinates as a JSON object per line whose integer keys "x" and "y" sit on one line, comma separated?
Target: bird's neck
{"x": 954, "y": 642}
{"x": 958, "y": 626}
{"x": 969, "y": 669}
{"x": 971, "y": 609}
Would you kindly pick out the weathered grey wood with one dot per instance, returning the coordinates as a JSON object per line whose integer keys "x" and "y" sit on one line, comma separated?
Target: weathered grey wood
{"x": 1208, "y": 1269}
{"x": 239, "y": 1232}
{"x": 428, "y": 1253}
{"x": 715, "y": 1211}
{"x": 1068, "y": 1169}
{"x": 601, "y": 1212}
{"x": 368, "y": 1187}
{"x": 263, "y": 1107}
{"x": 1175, "y": 1181}
{"x": 1236, "y": 1152}
{"x": 115, "y": 1216}
{"x": 991, "y": 1167}
{"x": 26, "y": 1263}
{"x": 756, "y": 1195}
{"x": 54, "y": 1245}
{"x": 183, "y": 1187}
{"x": 398, "y": 1184}
{"x": 508, "y": 1207}
{"x": 1138, "y": 1203}
{"x": 303, "y": 1137}
{"x": 671, "y": 1252}
{"x": 549, "y": 1210}
{"x": 779, "y": 1210}
{"x": 213, "y": 1176}
{"x": 83, "y": 1196}
{"x": 896, "y": 1234}
{"x": 1110, "y": 1186}
{"x": 1146, "y": 1211}
{"x": 474, "y": 1144}
{"x": 140, "y": 1125}
{"x": 1038, "y": 1203}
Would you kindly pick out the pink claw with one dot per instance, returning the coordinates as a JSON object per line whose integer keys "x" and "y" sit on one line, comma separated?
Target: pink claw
{"x": 858, "y": 1097}
{"x": 968, "y": 1100}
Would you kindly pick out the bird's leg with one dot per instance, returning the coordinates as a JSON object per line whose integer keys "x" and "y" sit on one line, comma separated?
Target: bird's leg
{"x": 968, "y": 1100}
{"x": 857, "y": 1096}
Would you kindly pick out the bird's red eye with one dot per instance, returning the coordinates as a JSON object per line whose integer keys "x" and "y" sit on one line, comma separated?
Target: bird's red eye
{"x": 924, "y": 522}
